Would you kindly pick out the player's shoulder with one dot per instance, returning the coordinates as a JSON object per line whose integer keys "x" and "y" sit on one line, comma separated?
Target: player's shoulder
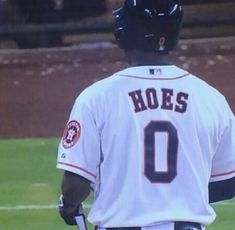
{"x": 206, "y": 92}
{"x": 101, "y": 85}
{"x": 99, "y": 88}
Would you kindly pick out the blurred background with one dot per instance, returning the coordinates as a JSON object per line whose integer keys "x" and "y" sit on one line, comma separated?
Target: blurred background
{"x": 51, "y": 46}
{"x": 50, "y": 23}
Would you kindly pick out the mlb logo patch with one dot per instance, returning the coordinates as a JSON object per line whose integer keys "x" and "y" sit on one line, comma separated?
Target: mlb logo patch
{"x": 157, "y": 72}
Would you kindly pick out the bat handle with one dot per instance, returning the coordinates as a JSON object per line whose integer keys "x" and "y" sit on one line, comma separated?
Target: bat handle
{"x": 81, "y": 223}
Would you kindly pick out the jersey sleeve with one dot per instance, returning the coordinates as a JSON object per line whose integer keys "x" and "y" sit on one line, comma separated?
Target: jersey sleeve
{"x": 79, "y": 148}
{"x": 223, "y": 165}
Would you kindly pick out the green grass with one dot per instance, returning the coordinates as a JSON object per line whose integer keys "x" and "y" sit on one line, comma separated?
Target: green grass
{"x": 28, "y": 177}
{"x": 27, "y": 172}
{"x": 225, "y": 216}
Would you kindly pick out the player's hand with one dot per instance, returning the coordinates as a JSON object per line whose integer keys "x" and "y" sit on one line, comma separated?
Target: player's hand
{"x": 68, "y": 212}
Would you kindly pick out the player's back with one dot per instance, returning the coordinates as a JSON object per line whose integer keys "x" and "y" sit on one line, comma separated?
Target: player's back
{"x": 158, "y": 128}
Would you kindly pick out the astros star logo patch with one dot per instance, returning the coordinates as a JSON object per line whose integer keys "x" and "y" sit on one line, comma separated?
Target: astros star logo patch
{"x": 71, "y": 134}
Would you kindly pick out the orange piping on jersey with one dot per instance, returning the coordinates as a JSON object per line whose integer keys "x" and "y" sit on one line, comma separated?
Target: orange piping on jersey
{"x": 152, "y": 78}
{"x": 74, "y": 166}
{"x": 223, "y": 174}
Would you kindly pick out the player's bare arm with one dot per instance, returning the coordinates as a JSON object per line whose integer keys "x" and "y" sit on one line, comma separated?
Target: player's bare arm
{"x": 75, "y": 189}
{"x": 222, "y": 190}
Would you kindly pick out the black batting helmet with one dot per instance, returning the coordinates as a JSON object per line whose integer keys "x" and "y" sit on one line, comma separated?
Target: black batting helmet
{"x": 149, "y": 25}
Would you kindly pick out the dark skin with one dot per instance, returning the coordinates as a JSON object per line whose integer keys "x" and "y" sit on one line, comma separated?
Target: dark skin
{"x": 141, "y": 58}
{"x": 75, "y": 190}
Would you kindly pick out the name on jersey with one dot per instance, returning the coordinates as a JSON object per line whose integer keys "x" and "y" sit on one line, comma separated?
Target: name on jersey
{"x": 166, "y": 99}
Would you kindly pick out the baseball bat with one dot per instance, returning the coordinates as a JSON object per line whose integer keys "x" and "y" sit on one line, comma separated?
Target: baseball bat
{"x": 81, "y": 223}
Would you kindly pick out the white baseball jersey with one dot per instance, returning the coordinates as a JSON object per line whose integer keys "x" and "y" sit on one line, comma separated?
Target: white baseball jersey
{"x": 150, "y": 138}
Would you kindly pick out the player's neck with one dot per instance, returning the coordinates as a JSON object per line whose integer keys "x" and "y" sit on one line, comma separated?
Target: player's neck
{"x": 139, "y": 58}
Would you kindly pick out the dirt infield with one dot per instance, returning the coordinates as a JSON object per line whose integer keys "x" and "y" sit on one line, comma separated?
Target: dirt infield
{"x": 38, "y": 87}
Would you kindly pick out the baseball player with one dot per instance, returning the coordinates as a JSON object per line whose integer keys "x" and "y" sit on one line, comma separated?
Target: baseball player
{"x": 156, "y": 143}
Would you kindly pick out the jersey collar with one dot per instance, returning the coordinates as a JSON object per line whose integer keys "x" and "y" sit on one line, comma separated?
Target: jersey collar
{"x": 168, "y": 72}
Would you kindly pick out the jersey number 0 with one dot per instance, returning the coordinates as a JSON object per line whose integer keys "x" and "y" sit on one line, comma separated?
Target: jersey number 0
{"x": 151, "y": 172}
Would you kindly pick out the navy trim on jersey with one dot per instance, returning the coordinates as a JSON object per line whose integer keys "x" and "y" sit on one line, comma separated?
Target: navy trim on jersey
{"x": 221, "y": 190}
